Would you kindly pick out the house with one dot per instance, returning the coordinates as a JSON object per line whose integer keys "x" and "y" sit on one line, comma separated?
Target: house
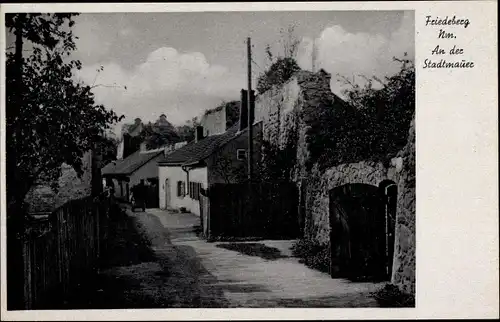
{"x": 218, "y": 158}
{"x": 128, "y": 143}
{"x": 123, "y": 174}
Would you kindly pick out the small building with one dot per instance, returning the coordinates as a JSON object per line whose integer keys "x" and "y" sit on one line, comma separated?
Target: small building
{"x": 123, "y": 174}
{"x": 129, "y": 141}
{"x": 219, "y": 158}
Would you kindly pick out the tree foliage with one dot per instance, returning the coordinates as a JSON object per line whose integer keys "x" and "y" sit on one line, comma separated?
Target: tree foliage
{"x": 279, "y": 73}
{"x": 156, "y": 136}
{"x": 51, "y": 118}
{"x": 372, "y": 125}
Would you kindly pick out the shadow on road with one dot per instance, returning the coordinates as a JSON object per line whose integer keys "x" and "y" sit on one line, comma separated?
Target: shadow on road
{"x": 254, "y": 249}
{"x": 143, "y": 269}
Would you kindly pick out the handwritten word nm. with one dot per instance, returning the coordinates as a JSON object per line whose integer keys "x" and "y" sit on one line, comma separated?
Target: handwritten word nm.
{"x": 446, "y": 21}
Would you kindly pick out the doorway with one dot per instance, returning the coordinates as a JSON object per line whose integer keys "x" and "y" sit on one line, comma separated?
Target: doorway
{"x": 167, "y": 193}
{"x": 362, "y": 231}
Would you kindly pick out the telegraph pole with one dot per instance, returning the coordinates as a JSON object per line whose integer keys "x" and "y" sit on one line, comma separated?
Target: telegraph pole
{"x": 250, "y": 112}
{"x": 313, "y": 55}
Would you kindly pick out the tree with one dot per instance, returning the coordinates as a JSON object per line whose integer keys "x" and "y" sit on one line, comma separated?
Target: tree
{"x": 282, "y": 66}
{"x": 387, "y": 111}
{"x": 51, "y": 118}
{"x": 107, "y": 149}
{"x": 156, "y": 136}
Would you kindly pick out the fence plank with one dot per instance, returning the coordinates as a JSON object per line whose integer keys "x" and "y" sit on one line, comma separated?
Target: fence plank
{"x": 270, "y": 210}
{"x": 58, "y": 257}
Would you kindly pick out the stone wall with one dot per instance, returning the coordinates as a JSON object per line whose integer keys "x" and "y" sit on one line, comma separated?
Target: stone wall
{"x": 214, "y": 122}
{"x": 402, "y": 172}
{"x": 42, "y": 198}
{"x": 282, "y": 111}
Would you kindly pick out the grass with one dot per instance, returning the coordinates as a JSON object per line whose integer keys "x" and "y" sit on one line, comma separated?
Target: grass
{"x": 254, "y": 249}
{"x": 391, "y": 296}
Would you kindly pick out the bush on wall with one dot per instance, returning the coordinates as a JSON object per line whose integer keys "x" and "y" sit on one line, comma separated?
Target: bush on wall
{"x": 371, "y": 125}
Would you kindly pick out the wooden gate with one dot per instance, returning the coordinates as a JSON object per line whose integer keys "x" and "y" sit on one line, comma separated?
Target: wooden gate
{"x": 152, "y": 196}
{"x": 358, "y": 232}
{"x": 267, "y": 210}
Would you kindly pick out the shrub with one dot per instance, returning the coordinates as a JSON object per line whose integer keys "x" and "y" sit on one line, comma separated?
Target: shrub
{"x": 373, "y": 125}
{"x": 279, "y": 73}
{"x": 391, "y": 296}
{"x": 313, "y": 254}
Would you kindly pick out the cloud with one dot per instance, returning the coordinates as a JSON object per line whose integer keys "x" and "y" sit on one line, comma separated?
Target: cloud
{"x": 353, "y": 54}
{"x": 92, "y": 43}
{"x": 181, "y": 85}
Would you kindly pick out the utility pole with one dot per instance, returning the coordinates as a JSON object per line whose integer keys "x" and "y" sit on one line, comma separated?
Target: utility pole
{"x": 250, "y": 112}
{"x": 313, "y": 55}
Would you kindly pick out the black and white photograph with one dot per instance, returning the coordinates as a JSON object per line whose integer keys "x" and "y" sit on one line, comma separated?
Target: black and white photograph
{"x": 159, "y": 161}
{"x": 210, "y": 160}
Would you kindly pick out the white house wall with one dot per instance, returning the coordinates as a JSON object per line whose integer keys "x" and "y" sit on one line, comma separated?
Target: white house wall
{"x": 175, "y": 174}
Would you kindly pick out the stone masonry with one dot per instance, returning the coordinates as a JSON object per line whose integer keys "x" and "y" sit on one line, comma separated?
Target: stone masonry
{"x": 280, "y": 111}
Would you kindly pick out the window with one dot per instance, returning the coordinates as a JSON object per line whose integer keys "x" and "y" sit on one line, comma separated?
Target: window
{"x": 194, "y": 190}
{"x": 241, "y": 154}
{"x": 181, "y": 186}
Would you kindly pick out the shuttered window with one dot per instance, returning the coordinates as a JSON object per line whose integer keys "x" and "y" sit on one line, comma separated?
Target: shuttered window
{"x": 181, "y": 189}
{"x": 194, "y": 190}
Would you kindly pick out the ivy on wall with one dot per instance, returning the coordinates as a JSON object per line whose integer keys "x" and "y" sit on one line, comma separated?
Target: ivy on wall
{"x": 372, "y": 125}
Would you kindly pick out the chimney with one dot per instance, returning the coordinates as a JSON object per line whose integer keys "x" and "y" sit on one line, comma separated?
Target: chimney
{"x": 199, "y": 133}
{"x": 243, "y": 110}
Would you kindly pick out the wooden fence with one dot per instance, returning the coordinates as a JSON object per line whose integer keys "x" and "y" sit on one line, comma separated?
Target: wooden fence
{"x": 62, "y": 252}
{"x": 267, "y": 210}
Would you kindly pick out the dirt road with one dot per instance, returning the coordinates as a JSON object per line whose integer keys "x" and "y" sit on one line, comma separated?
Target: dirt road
{"x": 156, "y": 260}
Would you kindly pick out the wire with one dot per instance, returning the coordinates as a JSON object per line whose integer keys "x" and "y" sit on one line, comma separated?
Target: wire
{"x": 261, "y": 69}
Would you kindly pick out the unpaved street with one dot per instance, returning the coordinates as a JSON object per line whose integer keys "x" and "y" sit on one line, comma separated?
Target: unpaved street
{"x": 156, "y": 260}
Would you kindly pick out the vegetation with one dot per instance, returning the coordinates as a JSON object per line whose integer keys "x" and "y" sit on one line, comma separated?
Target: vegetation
{"x": 226, "y": 168}
{"x": 156, "y": 136}
{"x": 186, "y": 131}
{"x": 282, "y": 67}
{"x": 313, "y": 254}
{"x": 391, "y": 296}
{"x": 279, "y": 73}
{"x": 51, "y": 118}
{"x": 278, "y": 164}
{"x": 107, "y": 149}
{"x": 373, "y": 125}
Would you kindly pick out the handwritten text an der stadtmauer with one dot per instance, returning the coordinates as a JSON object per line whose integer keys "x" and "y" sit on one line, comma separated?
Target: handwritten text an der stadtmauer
{"x": 447, "y": 46}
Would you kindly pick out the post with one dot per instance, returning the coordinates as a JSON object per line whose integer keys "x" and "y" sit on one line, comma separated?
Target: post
{"x": 250, "y": 112}
{"x": 313, "y": 56}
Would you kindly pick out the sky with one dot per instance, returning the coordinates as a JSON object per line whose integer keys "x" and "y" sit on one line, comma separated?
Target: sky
{"x": 181, "y": 64}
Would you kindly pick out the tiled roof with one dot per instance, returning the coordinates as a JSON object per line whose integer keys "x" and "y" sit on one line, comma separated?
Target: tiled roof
{"x": 130, "y": 163}
{"x": 197, "y": 151}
